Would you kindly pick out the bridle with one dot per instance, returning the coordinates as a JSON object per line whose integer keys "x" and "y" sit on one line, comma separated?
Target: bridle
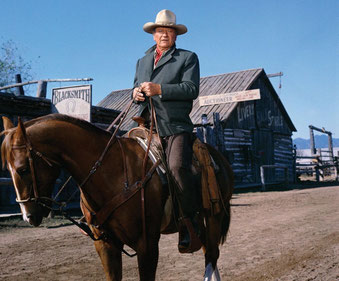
{"x": 30, "y": 151}
{"x": 117, "y": 201}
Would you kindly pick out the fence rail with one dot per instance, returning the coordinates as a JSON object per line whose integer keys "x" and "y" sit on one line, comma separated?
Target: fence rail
{"x": 42, "y": 84}
{"x": 318, "y": 166}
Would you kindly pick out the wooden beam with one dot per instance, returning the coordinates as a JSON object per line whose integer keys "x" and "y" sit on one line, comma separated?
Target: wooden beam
{"x": 322, "y": 130}
{"x": 42, "y": 89}
{"x": 45, "y": 80}
{"x": 19, "y": 91}
{"x": 275, "y": 74}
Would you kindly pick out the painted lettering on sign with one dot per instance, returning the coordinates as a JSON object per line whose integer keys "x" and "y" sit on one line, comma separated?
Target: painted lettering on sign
{"x": 245, "y": 112}
{"x": 230, "y": 97}
{"x": 60, "y": 95}
{"x": 274, "y": 120}
{"x": 75, "y": 101}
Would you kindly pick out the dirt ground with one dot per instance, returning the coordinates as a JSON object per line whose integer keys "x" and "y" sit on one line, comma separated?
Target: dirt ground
{"x": 280, "y": 235}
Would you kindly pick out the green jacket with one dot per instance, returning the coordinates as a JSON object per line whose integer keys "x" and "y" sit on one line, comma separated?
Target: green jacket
{"x": 179, "y": 76}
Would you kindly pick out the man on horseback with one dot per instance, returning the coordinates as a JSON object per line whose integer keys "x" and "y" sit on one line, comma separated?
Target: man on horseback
{"x": 171, "y": 77}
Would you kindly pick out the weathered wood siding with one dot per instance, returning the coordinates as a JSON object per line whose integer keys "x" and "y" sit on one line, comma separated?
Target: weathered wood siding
{"x": 248, "y": 129}
{"x": 259, "y": 114}
{"x": 265, "y": 137}
{"x": 263, "y": 153}
{"x": 238, "y": 150}
{"x": 268, "y": 113}
{"x": 283, "y": 155}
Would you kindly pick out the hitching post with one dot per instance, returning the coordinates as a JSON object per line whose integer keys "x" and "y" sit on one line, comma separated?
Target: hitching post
{"x": 42, "y": 89}
{"x": 18, "y": 91}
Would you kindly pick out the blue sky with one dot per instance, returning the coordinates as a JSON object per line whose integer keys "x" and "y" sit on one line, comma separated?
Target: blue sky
{"x": 103, "y": 40}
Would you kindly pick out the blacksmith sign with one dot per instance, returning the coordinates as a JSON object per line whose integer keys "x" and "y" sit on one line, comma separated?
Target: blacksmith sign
{"x": 230, "y": 97}
{"x": 75, "y": 101}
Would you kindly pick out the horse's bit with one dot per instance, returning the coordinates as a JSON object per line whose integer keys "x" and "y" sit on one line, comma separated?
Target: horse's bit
{"x": 104, "y": 213}
{"x": 34, "y": 189}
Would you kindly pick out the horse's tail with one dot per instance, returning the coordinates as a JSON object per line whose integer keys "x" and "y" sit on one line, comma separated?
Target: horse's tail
{"x": 225, "y": 179}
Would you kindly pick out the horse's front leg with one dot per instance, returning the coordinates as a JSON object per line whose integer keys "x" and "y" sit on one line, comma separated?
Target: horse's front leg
{"x": 110, "y": 257}
{"x": 148, "y": 258}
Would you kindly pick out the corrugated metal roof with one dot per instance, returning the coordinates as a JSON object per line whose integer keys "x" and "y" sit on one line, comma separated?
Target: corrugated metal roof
{"x": 210, "y": 85}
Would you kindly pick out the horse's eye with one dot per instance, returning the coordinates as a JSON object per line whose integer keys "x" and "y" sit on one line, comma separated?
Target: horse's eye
{"x": 22, "y": 171}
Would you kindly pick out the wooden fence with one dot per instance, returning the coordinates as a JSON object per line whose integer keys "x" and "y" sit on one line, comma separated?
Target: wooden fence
{"x": 316, "y": 165}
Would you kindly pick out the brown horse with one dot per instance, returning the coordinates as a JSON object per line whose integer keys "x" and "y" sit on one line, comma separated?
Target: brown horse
{"x": 37, "y": 149}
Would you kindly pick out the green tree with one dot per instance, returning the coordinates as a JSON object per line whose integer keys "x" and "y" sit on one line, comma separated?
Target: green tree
{"x": 12, "y": 63}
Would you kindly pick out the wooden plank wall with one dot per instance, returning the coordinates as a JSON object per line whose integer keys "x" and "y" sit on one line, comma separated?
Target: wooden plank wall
{"x": 283, "y": 155}
{"x": 238, "y": 149}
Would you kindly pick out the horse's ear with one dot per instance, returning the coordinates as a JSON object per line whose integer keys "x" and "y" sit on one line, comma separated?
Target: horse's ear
{"x": 3, "y": 159}
{"x": 7, "y": 123}
{"x": 20, "y": 133}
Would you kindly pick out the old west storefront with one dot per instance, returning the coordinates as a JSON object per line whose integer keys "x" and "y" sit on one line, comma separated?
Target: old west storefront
{"x": 251, "y": 133}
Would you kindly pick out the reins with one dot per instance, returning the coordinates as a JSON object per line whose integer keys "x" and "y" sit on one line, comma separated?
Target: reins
{"x": 103, "y": 214}
{"x": 99, "y": 161}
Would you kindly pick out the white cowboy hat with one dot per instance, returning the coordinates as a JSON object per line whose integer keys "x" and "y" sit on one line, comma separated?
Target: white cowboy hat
{"x": 165, "y": 18}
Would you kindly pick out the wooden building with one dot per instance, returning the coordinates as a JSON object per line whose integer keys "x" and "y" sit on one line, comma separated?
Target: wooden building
{"x": 28, "y": 107}
{"x": 251, "y": 134}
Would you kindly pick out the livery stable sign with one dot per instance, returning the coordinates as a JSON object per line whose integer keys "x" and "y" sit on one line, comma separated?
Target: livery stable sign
{"x": 75, "y": 101}
{"x": 230, "y": 97}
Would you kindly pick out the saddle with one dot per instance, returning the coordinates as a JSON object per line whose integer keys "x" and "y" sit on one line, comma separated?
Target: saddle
{"x": 204, "y": 167}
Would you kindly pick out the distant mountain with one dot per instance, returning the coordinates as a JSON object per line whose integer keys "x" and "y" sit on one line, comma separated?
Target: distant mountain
{"x": 321, "y": 141}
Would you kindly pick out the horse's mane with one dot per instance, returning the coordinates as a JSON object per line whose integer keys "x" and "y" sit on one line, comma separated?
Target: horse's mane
{"x": 56, "y": 116}
{"x": 5, "y": 144}
{"x": 65, "y": 118}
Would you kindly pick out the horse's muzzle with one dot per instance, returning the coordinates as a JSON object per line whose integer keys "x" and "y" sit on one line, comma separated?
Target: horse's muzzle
{"x": 34, "y": 220}
{"x": 34, "y": 213}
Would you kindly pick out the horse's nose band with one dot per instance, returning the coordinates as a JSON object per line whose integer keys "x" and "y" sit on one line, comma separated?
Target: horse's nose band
{"x": 34, "y": 189}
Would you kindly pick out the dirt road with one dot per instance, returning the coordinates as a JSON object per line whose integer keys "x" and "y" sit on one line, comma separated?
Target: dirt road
{"x": 289, "y": 235}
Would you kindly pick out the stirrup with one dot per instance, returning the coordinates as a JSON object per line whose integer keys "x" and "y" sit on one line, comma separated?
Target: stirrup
{"x": 195, "y": 243}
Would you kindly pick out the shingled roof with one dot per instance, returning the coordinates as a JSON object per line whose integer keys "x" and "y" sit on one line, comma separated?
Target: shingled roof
{"x": 210, "y": 85}
{"x": 221, "y": 84}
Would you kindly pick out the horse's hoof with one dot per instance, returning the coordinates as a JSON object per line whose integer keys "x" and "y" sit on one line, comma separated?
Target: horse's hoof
{"x": 211, "y": 274}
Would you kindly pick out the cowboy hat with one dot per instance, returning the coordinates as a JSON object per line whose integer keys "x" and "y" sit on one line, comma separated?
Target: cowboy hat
{"x": 165, "y": 18}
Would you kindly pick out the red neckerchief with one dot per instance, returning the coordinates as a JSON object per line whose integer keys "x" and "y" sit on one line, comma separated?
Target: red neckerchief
{"x": 158, "y": 55}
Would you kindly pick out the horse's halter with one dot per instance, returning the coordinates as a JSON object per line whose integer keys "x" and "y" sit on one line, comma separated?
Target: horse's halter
{"x": 33, "y": 194}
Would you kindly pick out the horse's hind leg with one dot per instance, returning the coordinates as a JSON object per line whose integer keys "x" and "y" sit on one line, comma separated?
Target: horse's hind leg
{"x": 212, "y": 240}
{"x": 213, "y": 235}
{"x": 211, "y": 274}
{"x": 110, "y": 257}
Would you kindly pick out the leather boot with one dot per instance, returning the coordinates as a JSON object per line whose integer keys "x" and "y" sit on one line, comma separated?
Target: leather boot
{"x": 189, "y": 240}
